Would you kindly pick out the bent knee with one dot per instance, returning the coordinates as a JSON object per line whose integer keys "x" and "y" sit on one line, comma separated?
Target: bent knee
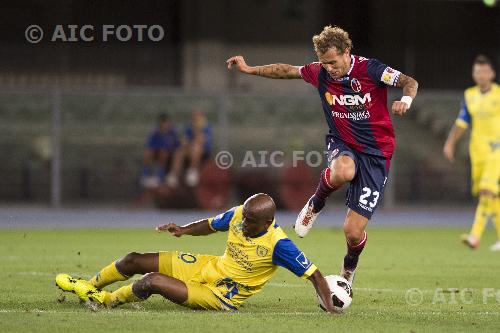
{"x": 151, "y": 281}
{"x": 343, "y": 170}
{"x": 127, "y": 264}
{"x": 347, "y": 174}
{"x": 146, "y": 285}
{"x": 131, "y": 258}
{"x": 353, "y": 234}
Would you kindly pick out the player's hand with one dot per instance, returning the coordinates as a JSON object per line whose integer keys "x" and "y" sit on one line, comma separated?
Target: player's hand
{"x": 449, "y": 152}
{"x": 173, "y": 228}
{"x": 399, "y": 108}
{"x": 239, "y": 63}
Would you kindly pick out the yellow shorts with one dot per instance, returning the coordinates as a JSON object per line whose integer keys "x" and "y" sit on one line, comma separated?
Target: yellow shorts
{"x": 486, "y": 174}
{"x": 187, "y": 268}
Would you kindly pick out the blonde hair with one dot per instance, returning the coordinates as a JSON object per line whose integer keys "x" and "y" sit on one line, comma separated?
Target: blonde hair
{"x": 332, "y": 37}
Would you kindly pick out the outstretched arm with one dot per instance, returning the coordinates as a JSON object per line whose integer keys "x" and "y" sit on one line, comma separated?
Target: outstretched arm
{"x": 323, "y": 290}
{"x": 273, "y": 71}
{"x": 198, "y": 228}
{"x": 456, "y": 133}
{"x": 410, "y": 87}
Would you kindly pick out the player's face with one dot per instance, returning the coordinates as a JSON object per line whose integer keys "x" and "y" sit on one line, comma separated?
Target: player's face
{"x": 253, "y": 226}
{"x": 336, "y": 63}
{"x": 483, "y": 74}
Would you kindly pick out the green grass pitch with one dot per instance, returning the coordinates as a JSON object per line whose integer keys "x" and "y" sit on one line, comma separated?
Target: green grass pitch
{"x": 457, "y": 285}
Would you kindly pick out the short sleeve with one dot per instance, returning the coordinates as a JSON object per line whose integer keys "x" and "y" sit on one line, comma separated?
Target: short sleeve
{"x": 464, "y": 118}
{"x": 381, "y": 73}
{"x": 310, "y": 73}
{"x": 221, "y": 221}
{"x": 287, "y": 255}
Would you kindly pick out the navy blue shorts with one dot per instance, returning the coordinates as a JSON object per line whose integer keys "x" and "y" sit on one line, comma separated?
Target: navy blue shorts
{"x": 366, "y": 190}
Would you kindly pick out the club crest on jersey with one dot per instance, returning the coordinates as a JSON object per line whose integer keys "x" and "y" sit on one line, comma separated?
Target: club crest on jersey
{"x": 239, "y": 226}
{"x": 355, "y": 85}
{"x": 262, "y": 251}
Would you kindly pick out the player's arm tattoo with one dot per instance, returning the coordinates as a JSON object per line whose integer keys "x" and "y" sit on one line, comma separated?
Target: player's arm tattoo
{"x": 278, "y": 71}
{"x": 409, "y": 85}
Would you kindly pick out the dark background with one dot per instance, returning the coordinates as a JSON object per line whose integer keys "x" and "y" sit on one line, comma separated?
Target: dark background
{"x": 427, "y": 39}
{"x": 74, "y": 116}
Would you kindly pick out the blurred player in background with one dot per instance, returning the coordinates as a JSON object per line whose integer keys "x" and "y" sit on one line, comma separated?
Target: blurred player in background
{"x": 196, "y": 146}
{"x": 481, "y": 110}
{"x": 160, "y": 147}
{"x": 256, "y": 246}
{"x": 353, "y": 92}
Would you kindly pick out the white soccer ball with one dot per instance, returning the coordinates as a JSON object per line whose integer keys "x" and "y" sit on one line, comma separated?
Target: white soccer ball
{"x": 340, "y": 291}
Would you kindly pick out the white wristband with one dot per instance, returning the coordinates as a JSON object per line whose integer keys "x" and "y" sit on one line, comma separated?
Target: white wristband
{"x": 407, "y": 100}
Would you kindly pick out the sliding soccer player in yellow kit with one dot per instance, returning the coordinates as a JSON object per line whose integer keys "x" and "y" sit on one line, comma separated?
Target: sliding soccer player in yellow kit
{"x": 255, "y": 247}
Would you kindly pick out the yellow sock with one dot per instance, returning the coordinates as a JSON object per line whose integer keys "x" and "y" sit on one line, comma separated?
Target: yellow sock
{"x": 496, "y": 217}
{"x": 107, "y": 275}
{"x": 484, "y": 212}
{"x": 121, "y": 296}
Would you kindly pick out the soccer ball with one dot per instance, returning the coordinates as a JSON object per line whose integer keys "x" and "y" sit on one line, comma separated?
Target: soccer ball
{"x": 340, "y": 291}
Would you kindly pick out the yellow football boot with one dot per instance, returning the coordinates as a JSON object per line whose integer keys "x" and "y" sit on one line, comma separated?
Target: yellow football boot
{"x": 66, "y": 282}
{"x": 87, "y": 292}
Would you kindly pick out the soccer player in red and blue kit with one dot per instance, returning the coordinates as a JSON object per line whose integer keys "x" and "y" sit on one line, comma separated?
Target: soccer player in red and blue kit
{"x": 353, "y": 92}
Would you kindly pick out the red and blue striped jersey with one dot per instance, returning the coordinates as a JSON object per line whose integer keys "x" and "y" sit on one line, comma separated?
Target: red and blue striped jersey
{"x": 355, "y": 105}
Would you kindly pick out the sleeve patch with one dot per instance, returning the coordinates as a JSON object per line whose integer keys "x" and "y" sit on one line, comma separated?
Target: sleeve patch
{"x": 303, "y": 261}
{"x": 287, "y": 255}
{"x": 390, "y": 76}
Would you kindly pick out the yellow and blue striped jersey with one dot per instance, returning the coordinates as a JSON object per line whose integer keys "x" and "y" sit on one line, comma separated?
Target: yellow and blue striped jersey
{"x": 248, "y": 263}
{"x": 481, "y": 111}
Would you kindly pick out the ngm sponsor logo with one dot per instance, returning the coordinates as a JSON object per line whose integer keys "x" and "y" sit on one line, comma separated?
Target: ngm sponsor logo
{"x": 348, "y": 100}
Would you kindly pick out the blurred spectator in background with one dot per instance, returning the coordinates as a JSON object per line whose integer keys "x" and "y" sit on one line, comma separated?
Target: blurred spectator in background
{"x": 160, "y": 149}
{"x": 196, "y": 146}
{"x": 481, "y": 110}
